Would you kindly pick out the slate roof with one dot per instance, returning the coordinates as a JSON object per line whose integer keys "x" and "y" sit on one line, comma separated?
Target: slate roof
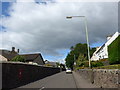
{"x": 32, "y": 57}
{"x": 8, "y": 54}
{"x": 28, "y": 57}
{"x": 101, "y": 48}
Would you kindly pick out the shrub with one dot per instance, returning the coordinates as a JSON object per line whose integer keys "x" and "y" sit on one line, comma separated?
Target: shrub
{"x": 18, "y": 58}
{"x": 105, "y": 61}
{"x": 102, "y": 60}
{"x": 96, "y": 64}
{"x": 93, "y": 64}
{"x": 84, "y": 64}
{"x": 115, "y": 66}
{"x": 81, "y": 64}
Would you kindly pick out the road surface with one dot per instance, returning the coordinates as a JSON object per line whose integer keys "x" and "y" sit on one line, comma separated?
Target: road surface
{"x": 60, "y": 80}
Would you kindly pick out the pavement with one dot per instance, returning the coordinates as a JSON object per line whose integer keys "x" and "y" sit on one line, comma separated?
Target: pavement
{"x": 60, "y": 80}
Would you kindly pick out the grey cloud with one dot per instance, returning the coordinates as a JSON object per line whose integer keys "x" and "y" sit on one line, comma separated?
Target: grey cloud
{"x": 33, "y": 27}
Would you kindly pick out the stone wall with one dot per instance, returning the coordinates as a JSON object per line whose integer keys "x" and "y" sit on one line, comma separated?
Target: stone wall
{"x": 18, "y": 74}
{"x": 103, "y": 78}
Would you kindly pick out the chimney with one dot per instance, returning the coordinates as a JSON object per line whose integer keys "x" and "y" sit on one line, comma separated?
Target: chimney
{"x": 13, "y": 49}
{"x": 108, "y": 37}
{"x": 18, "y": 50}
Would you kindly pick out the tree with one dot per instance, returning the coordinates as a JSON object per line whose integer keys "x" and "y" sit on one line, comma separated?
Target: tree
{"x": 78, "y": 49}
{"x": 62, "y": 66}
{"x": 72, "y": 48}
{"x": 69, "y": 61}
{"x": 58, "y": 64}
{"x": 92, "y": 50}
{"x": 18, "y": 58}
{"x": 78, "y": 54}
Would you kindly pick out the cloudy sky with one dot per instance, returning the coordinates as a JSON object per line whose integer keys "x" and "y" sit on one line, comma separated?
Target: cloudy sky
{"x": 42, "y": 26}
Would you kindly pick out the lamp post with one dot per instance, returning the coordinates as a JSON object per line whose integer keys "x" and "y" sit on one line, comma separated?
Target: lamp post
{"x": 86, "y": 29}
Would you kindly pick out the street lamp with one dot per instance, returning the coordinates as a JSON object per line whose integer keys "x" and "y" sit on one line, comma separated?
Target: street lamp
{"x": 85, "y": 21}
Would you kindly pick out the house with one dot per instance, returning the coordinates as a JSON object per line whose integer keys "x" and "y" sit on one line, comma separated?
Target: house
{"x": 36, "y": 59}
{"x": 6, "y": 55}
{"x": 50, "y": 64}
{"x": 102, "y": 51}
{"x": 2, "y": 58}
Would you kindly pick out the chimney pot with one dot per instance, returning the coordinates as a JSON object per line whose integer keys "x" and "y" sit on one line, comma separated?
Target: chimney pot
{"x": 13, "y": 49}
{"x": 18, "y": 50}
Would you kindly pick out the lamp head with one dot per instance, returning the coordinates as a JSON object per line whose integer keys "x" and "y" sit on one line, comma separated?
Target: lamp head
{"x": 69, "y": 17}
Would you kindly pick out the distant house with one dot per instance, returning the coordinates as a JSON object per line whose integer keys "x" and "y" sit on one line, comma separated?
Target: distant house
{"x": 34, "y": 58}
{"x": 102, "y": 51}
{"x": 50, "y": 64}
{"x": 6, "y": 55}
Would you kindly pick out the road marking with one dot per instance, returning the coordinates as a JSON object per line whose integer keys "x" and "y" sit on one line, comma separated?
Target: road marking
{"x": 42, "y": 88}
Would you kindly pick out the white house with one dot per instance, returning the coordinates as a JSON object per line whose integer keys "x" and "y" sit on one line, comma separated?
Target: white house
{"x": 102, "y": 51}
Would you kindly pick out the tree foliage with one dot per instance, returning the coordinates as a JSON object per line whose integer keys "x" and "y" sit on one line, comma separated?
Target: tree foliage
{"x": 69, "y": 61}
{"x": 18, "y": 58}
{"x": 92, "y": 50}
{"x": 78, "y": 54}
{"x": 62, "y": 66}
{"x": 79, "y": 50}
{"x": 96, "y": 64}
{"x": 58, "y": 64}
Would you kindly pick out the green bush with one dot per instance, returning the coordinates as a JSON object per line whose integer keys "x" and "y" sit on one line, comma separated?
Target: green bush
{"x": 93, "y": 64}
{"x": 115, "y": 66}
{"x": 114, "y": 52}
{"x": 96, "y": 64}
{"x": 84, "y": 64}
{"x": 18, "y": 58}
{"x": 81, "y": 64}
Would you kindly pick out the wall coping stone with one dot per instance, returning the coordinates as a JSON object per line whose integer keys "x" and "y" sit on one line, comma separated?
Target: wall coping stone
{"x": 22, "y": 63}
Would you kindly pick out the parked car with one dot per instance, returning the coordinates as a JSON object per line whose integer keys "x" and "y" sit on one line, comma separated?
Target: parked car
{"x": 68, "y": 71}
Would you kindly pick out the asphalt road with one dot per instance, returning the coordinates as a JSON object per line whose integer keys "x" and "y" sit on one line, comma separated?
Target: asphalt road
{"x": 59, "y": 80}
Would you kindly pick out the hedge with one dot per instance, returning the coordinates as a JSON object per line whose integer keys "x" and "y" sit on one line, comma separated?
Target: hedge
{"x": 114, "y": 51}
{"x": 93, "y": 64}
{"x": 115, "y": 66}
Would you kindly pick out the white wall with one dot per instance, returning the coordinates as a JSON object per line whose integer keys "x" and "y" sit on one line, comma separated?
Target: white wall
{"x": 2, "y": 58}
{"x": 103, "y": 53}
